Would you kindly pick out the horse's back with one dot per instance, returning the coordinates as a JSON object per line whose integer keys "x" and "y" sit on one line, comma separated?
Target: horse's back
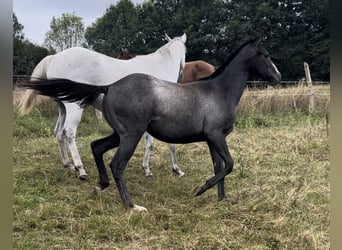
{"x": 133, "y": 92}
{"x": 195, "y": 70}
{"x": 84, "y": 65}
{"x": 205, "y": 66}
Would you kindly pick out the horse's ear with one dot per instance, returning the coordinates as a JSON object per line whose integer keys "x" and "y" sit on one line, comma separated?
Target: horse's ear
{"x": 257, "y": 40}
{"x": 168, "y": 38}
{"x": 254, "y": 37}
{"x": 184, "y": 38}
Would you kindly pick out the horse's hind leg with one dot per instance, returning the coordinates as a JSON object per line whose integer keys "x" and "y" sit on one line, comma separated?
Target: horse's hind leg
{"x": 148, "y": 149}
{"x": 99, "y": 147}
{"x": 217, "y": 144}
{"x": 124, "y": 152}
{"x": 73, "y": 118}
{"x": 218, "y": 166}
{"x": 61, "y": 140}
{"x": 147, "y": 156}
{"x": 175, "y": 169}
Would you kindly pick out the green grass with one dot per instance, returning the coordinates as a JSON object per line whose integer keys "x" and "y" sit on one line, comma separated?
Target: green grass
{"x": 278, "y": 195}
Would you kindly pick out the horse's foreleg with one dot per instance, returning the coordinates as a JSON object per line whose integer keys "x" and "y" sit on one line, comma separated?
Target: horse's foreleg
{"x": 147, "y": 156}
{"x": 99, "y": 147}
{"x": 73, "y": 118}
{"x": 118, "y": 165}
{"x": 175, "y": 169}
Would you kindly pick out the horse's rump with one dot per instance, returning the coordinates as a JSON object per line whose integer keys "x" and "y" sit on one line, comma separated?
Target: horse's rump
{"x": 195, "y": 70}
{"x": 29, "y": 98}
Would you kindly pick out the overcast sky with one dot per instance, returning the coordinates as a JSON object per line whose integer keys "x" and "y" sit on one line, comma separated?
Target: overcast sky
{"x": 36, "y": 15}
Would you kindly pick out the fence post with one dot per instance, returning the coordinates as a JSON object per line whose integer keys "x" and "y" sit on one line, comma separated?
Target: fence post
{"x": 310, "y": 89}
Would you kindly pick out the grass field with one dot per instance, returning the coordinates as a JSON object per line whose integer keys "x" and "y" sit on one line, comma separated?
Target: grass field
{"x": 278, "y": 195}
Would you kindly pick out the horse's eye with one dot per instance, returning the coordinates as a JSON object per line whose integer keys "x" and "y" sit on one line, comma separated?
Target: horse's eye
{"x": 266, "y": 55}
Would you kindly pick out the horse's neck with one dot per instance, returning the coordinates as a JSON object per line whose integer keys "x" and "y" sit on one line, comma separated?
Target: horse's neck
{"x": 169, "y": 58}
{"x": 232, "y": 80}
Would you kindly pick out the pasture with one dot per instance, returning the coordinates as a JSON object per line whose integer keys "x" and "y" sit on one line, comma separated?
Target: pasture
{"x": 278, "y": 195}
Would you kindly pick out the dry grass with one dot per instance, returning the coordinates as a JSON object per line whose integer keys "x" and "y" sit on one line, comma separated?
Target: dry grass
{"x": 277, "y": 196}
{"x": 285, "y": 99}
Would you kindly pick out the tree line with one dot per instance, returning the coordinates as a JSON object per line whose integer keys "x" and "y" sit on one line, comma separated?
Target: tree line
{"x": 292, "y": 31}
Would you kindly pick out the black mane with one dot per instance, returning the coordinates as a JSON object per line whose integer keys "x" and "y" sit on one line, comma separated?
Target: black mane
{"x": 230, "y": 58}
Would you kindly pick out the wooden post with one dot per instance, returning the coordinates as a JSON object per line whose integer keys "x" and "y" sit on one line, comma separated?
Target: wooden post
{"x": 310, "y": 90}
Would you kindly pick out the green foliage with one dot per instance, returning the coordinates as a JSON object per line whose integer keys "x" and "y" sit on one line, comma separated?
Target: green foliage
{"x": 26, "y": 55}
{"x": 116, "y": 29}
{"x": 293, "y": 31}
{"x": 33, "y": 125}
{"x": 17, "y": 29}
{"x": 41, "y": 121}
{"x": 65, "y": 32}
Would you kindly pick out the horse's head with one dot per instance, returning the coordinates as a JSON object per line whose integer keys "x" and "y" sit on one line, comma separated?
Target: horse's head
{"x": 178, "y": 49}
{"x": 261, "y": 64}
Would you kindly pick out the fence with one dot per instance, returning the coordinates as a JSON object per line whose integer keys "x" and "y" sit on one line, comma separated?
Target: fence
{"x": 305, "y": 82}
{"x": 304, "y": 88}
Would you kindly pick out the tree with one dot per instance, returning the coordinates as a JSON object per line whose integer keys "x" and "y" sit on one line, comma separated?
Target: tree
{"x": 117, "y": 28}
{"x": 18, "y": 47}
{"x": 17, "y": 29}
{"x": 203, "y": 22}
{"x": 316, "y": 15}
{"x": 25, "y": 54}
{"x": 65, "y": 32}
{"x": 292, "y": 31}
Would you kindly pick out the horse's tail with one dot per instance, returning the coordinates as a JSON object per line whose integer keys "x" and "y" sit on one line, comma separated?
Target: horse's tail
{"x": 29, "y": 98}
{"x": 65, "y": 90}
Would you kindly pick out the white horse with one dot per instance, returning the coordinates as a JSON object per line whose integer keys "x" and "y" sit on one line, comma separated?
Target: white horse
{"x": 84, "y": 65}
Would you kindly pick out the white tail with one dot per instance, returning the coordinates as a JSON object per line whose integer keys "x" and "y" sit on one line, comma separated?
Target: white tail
{"x": 29, "y": 98}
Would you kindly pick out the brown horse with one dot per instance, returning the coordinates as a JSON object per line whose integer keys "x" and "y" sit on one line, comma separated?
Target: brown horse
{"x": 125, "y": 54}
{"x": 195, "y": 70}
{"x": 192, "y": 71}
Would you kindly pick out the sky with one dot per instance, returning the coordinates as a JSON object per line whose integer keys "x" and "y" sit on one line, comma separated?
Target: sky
{"x": 36, "y": 15}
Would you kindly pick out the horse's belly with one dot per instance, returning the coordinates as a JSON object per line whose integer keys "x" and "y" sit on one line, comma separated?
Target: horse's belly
{"x": 173, "y": 133}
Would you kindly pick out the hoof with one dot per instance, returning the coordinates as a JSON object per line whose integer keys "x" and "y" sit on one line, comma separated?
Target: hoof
{"x": 139, "y": 209}
{"x": 83, "y": 177}
{"x": 97, "y": 190}
{"x": 147, "y": 171}
{"x": 178, "y": 173}
{"x": 149, "y": 175}
{"x": 221, "y": 198}
{"x": 197, "y": 191}
{"x": 70, "y": 167}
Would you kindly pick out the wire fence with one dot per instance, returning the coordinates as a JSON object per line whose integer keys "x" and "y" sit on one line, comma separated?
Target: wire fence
{"x": 250, "y": 84}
